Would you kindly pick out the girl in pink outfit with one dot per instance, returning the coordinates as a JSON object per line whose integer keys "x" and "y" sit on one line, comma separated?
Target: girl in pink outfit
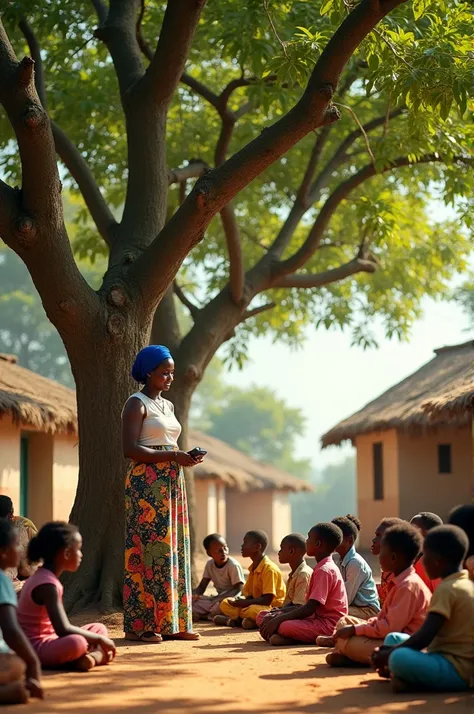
{"x": 40, "y": 610}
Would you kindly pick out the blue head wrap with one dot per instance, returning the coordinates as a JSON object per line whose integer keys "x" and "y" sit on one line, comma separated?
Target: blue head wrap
{"x": 148, "y": 359}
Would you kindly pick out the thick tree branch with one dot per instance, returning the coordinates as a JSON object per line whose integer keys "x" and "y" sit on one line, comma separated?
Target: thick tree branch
{"x": 214, "y": 190}
{"x": 35, "y": 52}
{"x": 68, "y": 152}
{"x": 193, "y": 309}
{"x": 317, "y": 280}
{"x": 101, "y": 9}
{"x": 81, "y": 173}
{"x": 37, "y": 232}
{"x": 300, "y": 258}
{"x": 167, "y": 65}
{"x": 234, "y": 247}
{"x": 194, "y": 169}
{"x": 118, "y": 32}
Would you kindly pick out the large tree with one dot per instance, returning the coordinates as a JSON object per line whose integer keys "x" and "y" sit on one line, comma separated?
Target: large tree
{"x": 400, "y": 78}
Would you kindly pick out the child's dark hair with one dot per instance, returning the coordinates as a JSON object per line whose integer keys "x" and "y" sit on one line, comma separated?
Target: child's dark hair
{"x": 427, "y": 520}
{"x": 259, "y": 537}
{"x": 355, "y": 521}
{"x": 51, "y": 538}
{"x": 211, "y": 538}
{"x": 6, "y": 506}
{"x": 390, "y": 522}
{"x": 7, "y": 532}
{"x": 404, "y": 539}
{"x": 450, "y": 542}
{"x": 329, "y": 533}
{"x": 296, "y": 541}
{"x": 463, "y": 517}
{"x": 347, "y": 526}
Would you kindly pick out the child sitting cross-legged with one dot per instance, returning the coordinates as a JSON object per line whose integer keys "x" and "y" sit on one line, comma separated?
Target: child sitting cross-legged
{"x": 265, "y": 587}
{"x": 326, "y": 599}
{"x": 292, "y": 552}
{"x": 40, "y": 609}
{"x": 404, "y": 609}
{"x": 360, "y": 585}
{"x": 425, "y": 521}
{"x": 448, "y": 631}
{"x": 224, "y": 572}
{"x": 20, "y": 670}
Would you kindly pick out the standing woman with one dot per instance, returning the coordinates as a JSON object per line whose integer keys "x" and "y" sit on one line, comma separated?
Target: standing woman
{"x": 157, "y": 588}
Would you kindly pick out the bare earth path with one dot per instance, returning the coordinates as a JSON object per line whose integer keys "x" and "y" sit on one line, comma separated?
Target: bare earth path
{"x": 228, "y": 671}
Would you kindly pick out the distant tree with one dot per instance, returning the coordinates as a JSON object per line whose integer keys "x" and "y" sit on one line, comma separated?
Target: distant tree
{"x": 254, "y": 420}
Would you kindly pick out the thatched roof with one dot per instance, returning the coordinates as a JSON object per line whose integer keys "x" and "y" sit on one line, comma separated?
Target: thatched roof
{"x": 441, "y": 392}
{"x": 45, "y": 405}
{"x": 237, "y": 470}
{"x": 35, "y": 401}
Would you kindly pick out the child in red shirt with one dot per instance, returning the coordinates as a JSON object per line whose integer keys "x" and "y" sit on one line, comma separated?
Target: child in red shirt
{"x": 425, "y": 521}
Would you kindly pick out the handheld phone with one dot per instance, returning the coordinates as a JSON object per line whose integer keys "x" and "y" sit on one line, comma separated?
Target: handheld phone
{"x": 197, "y": 452}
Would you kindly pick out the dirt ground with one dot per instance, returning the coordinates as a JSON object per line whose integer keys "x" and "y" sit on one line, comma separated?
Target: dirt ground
{"x": 227, "y": 671}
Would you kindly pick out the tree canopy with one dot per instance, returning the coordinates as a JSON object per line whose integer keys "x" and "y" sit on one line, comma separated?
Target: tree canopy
{"x": 281, "y": 157}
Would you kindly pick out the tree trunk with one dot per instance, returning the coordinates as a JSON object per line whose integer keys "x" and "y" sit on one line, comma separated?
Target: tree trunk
{"x": 101, "y": 372}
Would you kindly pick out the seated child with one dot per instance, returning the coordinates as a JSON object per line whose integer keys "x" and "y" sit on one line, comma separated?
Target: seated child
{"x": 447, "y": 633}
{"x": 265, "y": 587}
{"x": 463, "y": 517}
{"x": 40, "y": 609}
{"x": 386, "y": 578}
{"x": 404, "y": 609}
{"x": 224, "y": 572}
{"x": 425, "y": 521}
{"x": 326, "y": 599}
{"x": 360, "y": 585}
{"x": 292, "y": 552}
{"x": 20, "y": 670}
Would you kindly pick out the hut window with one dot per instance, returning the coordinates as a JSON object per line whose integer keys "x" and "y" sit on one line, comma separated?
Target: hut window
{"x": 444, "y": 459}
{"x": 377, "y": 453}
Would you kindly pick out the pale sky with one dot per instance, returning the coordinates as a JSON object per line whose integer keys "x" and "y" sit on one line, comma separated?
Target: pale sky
{"x": 329, "y": 380}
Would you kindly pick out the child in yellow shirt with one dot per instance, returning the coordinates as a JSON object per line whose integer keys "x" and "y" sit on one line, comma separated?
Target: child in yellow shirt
{"x": 264, "y": 589}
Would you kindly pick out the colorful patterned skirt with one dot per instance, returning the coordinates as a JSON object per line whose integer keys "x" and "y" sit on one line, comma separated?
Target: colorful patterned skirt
{"x": 157, "y": 594}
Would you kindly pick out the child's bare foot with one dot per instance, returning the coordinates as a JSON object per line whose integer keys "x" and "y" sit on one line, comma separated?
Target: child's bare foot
{"x": 222, "y": 620}
{"x": 323, "y": 641}
{"x": 279, "y": 641}
{"x": 85, "y": 663}
{"x": 336, "y": 659}
{"x": 248, "y": 624}
{"x": 14, "y": 693}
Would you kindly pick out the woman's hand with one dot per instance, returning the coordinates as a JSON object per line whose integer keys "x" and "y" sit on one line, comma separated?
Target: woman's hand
{"x": 184, "y": 459}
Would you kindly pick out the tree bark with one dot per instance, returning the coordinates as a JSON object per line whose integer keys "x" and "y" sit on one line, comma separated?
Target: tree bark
{"x": 102, "y": 389}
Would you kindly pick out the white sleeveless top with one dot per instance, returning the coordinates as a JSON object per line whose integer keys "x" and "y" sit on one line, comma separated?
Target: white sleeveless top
{"x": 158, "y": 429}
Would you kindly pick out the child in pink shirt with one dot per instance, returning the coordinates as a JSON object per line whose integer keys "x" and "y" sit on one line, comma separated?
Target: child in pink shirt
{"x": 326, "y": 599}
{"x": 404, "y": 610}
{"x": 40, "y": 609}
